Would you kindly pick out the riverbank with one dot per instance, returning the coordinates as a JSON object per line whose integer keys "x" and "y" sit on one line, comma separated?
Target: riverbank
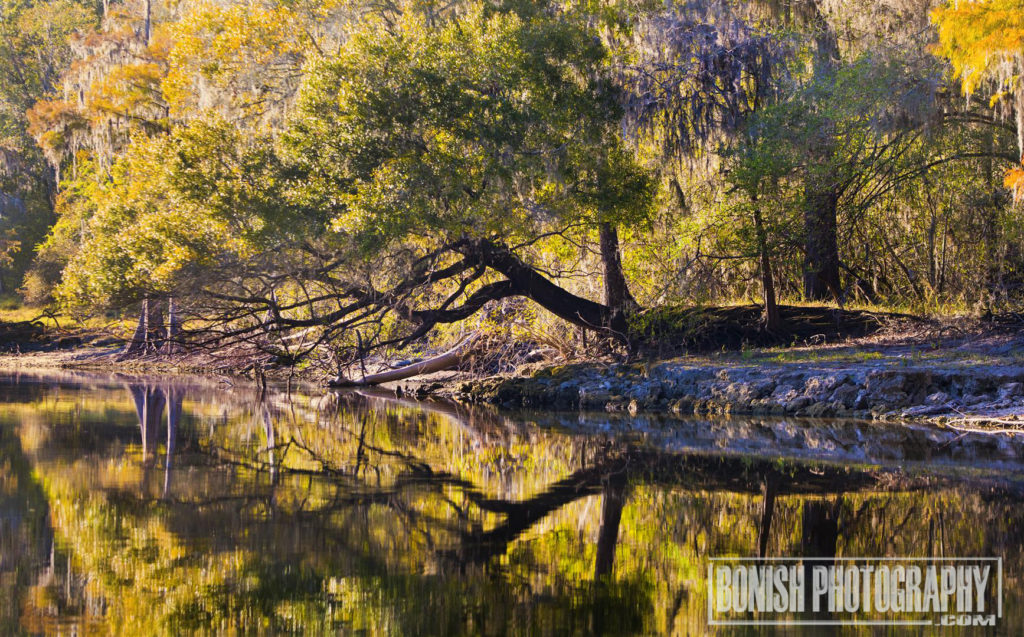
{"x": 970, "y": 380}
{"x": 965, "y": 373}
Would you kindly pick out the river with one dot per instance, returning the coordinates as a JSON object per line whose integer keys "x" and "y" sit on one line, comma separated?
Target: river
{"x": 170, "y": 505}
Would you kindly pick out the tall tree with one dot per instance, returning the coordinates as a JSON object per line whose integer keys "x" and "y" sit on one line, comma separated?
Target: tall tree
{"x": 36, "y": 41}
{"x": 701, "y": 72}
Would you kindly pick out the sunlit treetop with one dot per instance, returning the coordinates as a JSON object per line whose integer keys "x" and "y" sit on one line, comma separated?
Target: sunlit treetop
{"x": 175, "y": 207}
{"x": 246, "y": 59}
{"x": 111, "y": 91}
{"x": 984, "y": 41}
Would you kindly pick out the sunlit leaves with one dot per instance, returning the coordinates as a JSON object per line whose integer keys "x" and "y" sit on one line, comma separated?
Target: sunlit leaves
{"x": 246, "y": 58}
{"x": 984, "y": 40}
{"x": 138, "y": 232}
{"x": 491, "y": 124}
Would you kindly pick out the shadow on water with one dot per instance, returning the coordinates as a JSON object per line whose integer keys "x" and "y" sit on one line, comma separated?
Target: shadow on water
{"x": 160, "y": 505}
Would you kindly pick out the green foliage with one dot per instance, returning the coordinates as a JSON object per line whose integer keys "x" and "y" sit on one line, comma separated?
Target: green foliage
{"x": 492, "y": 125}
{"x": 139, "y": 231}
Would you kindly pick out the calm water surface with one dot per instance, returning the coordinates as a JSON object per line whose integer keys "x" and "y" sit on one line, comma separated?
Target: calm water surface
{"x": 167, "y": 506}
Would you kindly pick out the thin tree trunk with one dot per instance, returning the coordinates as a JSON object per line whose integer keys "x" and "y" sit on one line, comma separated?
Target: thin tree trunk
{"x": 270, "y": 433}
{"x": 173, "y": 326}
{"x": 772, "y": 319}
{"x": 173, "y": 416}
{"x": 769, "y": 488}
{"x": 148, "y": 28}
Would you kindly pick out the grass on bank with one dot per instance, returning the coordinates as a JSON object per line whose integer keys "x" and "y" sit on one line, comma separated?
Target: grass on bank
{"x": 13, "y": 310}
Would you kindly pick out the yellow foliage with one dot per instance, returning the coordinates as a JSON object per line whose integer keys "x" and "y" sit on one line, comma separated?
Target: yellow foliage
{"x": 246, "y": 56}
{"x": 984, "y": 40}
{"x": 1015, "y": 182}
{"x": 981, "y": 36}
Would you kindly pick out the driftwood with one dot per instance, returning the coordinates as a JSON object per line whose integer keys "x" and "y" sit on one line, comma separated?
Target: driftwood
{"x": 438, "y": 363}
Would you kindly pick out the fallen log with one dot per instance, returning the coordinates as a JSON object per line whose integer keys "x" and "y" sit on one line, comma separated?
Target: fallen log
{"x": 439, "y": 363}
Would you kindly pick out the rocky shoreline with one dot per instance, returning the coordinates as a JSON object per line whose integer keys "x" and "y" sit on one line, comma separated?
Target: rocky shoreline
{"x": 887, "y": 390}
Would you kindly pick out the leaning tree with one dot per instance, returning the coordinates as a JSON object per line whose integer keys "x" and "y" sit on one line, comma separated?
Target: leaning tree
{"x": 428, "y": 170}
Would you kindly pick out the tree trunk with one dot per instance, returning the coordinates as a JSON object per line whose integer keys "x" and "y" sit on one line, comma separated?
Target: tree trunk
{"x": 819, "y": 538}
{"x": 612, "y": 500}
{"x": 769, "y": 488}
{"x": 821, "y": 255}
{"x": 150, "y": 332}
{"x": 820, "y": 534}
{"x": 157, "y": 331}
{"x": 531, "y": 284}
{"x": 616, "y": 290}
{"x": 448, "y": 360}
{"x": 990, "y": 228}
{"x": 137, "y": 345}
{"x": 772, "y": 319}
{"x": 173, "y": 326}
{"x": 149, "y": 406}
{"x": 147, "y": 27}
{"x": 174, "y": 397}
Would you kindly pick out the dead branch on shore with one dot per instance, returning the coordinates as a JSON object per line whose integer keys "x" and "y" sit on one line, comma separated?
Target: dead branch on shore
{"x": 438, "y": 363}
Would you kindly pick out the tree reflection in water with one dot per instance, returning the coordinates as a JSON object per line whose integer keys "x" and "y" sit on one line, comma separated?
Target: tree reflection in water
{"x": 358, "y": 511}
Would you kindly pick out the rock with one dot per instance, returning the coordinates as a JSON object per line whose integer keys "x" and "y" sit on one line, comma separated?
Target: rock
{"x": 845, "y": 395}
{"x": 938, "y": 398}
{"x": 426, "y": 390}
{"x": 1011, "y": 390}
{"x": 859, "y": 390}
{"x": 861, "y": 401}
{"x": 897, "y": 388}
{"x": 820, "y": 410}
{"x": 974, "y": 399}
{"x": 682, "y": 406}
{"x": 645, "y": 392}
{"x": 821, "y": 385}
{"x": 924, "y": 410}
{"x": 784, "y": 393}
{"x": 798, "y": 403}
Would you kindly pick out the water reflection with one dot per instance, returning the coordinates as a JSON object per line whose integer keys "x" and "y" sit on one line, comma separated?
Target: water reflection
{"x": 159, "y": 506}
